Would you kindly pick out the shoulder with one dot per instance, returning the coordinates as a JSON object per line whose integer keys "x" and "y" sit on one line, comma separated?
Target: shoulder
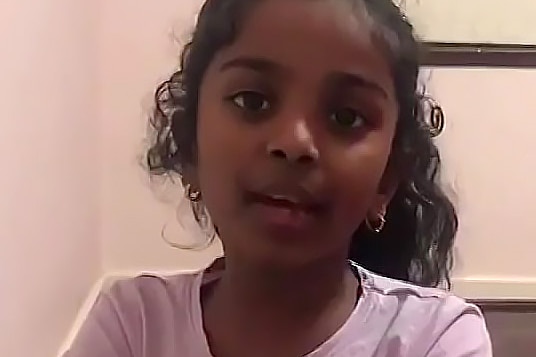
{"x": 148, "y": 285}
{"x": 155, "y": 311}
{"x": 409, "y": 296}
{"x": 150, "y": 296}
{"x": 424, "y": 319}
{"x": 139, "y": 314}
{"x": 161, "y": 301}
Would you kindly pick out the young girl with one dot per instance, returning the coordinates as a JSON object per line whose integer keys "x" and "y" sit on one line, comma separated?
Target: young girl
{"x": 298, "y": 130}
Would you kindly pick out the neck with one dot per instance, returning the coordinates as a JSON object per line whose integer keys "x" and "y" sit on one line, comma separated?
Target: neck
{"x": 278, "y": 311}
{"x": 294, "y": 293}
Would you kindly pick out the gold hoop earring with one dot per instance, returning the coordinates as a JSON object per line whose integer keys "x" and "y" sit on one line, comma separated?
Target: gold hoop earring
{"x": 191, "y": 194}
{"x": 191, "y": 222}
{"x": 379, "y": 225}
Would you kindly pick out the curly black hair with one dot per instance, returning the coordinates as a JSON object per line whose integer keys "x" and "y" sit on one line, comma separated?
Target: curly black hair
{"x": 417, "y": 241}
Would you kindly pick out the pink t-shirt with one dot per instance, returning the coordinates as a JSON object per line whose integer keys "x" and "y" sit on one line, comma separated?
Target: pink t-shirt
{"x": 151, "y": 316}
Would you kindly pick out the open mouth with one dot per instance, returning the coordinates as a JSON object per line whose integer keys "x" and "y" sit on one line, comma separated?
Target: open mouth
{"x": 293, "y": 213}
{"x": 290, "y": 202}
{"x": 286, "y": 208}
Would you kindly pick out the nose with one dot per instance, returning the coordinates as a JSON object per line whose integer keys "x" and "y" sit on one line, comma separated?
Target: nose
{"x": 293, "y": 143}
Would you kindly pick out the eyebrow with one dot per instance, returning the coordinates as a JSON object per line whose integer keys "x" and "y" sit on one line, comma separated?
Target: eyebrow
{"x": 252, "y": 63}
{"x": 353, "y": 80}
{"x": 337, "y": 78}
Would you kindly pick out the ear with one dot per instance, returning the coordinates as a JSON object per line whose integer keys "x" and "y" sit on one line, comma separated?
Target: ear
{"x": 386, "y": 191}
{"x": 190, "y": 177}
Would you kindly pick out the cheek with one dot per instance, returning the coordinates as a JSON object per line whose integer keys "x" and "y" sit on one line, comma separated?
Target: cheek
{"x": 222, "y": 148}
{"x": 218, "y": 133}
{"x": 357, "y": 176}
{"x": 214, "y": 154}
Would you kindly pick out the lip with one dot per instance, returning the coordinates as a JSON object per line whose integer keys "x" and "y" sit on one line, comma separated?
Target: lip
{"x": 292, "y": 196}
{"x": 285, "y": 209}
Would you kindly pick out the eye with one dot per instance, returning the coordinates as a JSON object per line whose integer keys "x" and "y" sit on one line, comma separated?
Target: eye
{"x": 347, "y": 118}
{"x": 251, "y": 101}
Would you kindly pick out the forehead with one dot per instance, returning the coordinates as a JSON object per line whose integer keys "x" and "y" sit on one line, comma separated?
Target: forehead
{"x": 313, "y": 35}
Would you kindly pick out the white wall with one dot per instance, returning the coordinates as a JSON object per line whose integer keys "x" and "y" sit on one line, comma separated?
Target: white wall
{"x": 489, "y": 149}
{"x": 494, "y": 21}
{"x": 48, "y": 171}
{"x": 139, "y": 48}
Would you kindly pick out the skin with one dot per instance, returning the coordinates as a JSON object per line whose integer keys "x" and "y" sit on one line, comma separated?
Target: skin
{"x": 306, "y": 103}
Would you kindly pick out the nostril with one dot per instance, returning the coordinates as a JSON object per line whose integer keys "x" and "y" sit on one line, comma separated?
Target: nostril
{"x": 305, "y": 159}
{"x": 277, "y": 153}
{"x": 299, "y": 159}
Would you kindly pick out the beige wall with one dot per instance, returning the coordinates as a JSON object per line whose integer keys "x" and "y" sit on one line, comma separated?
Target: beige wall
{"x": 48, "y": 173}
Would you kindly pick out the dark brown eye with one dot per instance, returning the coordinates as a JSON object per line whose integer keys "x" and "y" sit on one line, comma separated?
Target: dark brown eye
{"x": 251, "y": 101}
{"x": 347, "y": 118}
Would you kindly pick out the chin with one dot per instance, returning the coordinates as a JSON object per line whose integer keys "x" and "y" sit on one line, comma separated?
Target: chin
{"x": 273, "y": 255}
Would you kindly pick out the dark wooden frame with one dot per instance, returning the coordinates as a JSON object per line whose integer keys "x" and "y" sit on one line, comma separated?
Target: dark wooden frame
{"x": 512, "y": 326}
{"x": 516, "y": 306}
{"x": 479, "y": 54}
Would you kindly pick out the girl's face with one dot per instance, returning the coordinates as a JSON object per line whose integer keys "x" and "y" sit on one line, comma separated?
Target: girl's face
{"x": 295, "y": 124}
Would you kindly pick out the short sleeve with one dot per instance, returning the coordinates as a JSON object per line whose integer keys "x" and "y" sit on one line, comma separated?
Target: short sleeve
{"x": 103, "y": 333}
{"x": 467, "y": 336}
